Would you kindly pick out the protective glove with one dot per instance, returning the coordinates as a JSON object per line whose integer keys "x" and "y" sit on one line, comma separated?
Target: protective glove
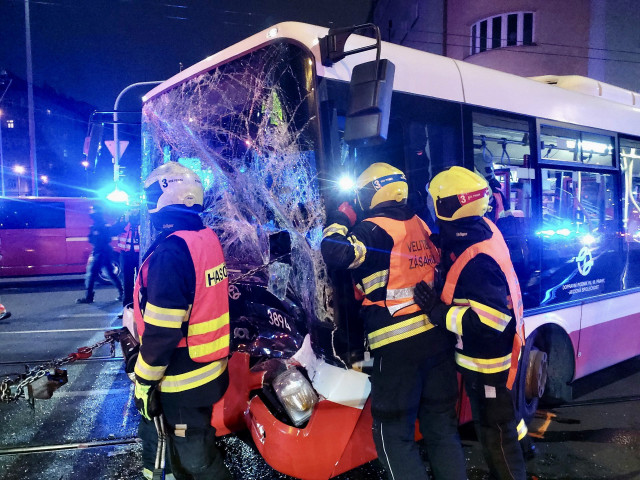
{"x": 427, "y": 299}
{"x": 347, "y": 209}
{"x": 147, "y": 400}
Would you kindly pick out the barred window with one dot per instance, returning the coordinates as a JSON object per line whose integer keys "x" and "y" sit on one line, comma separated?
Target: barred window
{"x": 506, "y": 30}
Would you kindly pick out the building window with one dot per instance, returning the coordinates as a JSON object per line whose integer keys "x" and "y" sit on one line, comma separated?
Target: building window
{"x": 496, "y": 32}
{"x": 10, "y": 124}
{"x": 506, "y": 30}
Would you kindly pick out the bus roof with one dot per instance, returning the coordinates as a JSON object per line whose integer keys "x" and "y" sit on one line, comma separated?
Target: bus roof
{"x": 436, "y": 76}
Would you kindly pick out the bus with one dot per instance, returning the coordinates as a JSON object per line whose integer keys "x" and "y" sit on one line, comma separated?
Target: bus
{"x": 268, "y": 124}
{"x": 46, "y": 236}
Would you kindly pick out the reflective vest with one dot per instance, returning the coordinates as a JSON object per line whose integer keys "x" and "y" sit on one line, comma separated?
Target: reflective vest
{"x": 413, "y": 259}
{"x": 208, "y": 331}
{"x": 497, "y": 249}
{"x": 129, "y": 239}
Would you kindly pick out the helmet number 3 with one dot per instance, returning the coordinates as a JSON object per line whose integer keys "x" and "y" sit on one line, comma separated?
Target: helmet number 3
{"x": 164, "y": 183}
{"x": 277, "y": 319}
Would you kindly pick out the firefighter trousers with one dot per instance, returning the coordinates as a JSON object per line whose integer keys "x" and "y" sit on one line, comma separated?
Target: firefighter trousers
{"x": 495, "y": 423}
{"x": 407, "y": 385}
{"x": 192, "y": 448}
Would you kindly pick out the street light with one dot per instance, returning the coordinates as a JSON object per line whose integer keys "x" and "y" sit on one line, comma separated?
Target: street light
{"x": 85, "y": 164}
{"x": 18, "y": 170}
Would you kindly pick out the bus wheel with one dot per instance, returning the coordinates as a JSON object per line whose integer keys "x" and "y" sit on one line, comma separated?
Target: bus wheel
{"x": 533, "y": 377}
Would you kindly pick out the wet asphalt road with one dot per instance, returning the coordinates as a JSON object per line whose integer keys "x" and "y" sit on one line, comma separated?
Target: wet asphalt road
{"x": 88, "y": 429}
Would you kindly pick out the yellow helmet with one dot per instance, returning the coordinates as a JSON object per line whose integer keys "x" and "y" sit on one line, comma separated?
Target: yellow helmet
{"x": 381, "y": 183}
{"x": 458, "y": 193}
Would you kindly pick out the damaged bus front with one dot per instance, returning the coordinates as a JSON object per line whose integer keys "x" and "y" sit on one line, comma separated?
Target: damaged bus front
{"x": 256, "y": 123}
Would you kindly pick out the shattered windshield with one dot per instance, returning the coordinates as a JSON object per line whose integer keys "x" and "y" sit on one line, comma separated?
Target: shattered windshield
{"x": 249, "y": 129}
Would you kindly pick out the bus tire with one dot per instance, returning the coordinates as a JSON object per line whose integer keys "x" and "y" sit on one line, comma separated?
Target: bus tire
{"x": 532, "y": 378}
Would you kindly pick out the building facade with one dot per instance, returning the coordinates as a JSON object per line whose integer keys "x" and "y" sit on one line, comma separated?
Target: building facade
{"x": 593, "y": 38}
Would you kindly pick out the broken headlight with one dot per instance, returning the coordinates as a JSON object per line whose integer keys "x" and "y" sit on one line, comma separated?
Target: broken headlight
{"x": 296, "y": 394}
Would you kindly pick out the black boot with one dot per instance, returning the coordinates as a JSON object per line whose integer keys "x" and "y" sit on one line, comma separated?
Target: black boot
{"x": 87, "y": 299}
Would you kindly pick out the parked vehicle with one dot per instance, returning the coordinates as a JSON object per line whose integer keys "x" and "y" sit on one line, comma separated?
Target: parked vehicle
{"x": 44, "y": 236}
{"x": 272, "y": 123}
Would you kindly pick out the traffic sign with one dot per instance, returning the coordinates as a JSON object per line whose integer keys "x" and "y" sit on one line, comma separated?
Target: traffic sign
{"x": 111, "y": 145}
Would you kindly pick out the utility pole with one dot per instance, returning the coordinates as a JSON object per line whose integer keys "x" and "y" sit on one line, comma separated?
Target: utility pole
{"x": 32, "y": 125}
{"x": 3, "y": 80}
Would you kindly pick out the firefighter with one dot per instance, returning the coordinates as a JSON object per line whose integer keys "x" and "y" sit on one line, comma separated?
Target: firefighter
{"x": 181, "y": 311}
{"x": 101, "y": 255}
{"x": 388, "y": 253}
{"x": 129, "y": 246}
{"x": 481, "y": 304}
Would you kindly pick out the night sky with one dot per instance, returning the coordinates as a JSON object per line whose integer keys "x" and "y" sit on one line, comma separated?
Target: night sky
{"x": 91, "y": 49}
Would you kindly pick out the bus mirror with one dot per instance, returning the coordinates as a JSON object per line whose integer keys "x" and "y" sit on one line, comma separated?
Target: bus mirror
{"x": 370, "y": 91}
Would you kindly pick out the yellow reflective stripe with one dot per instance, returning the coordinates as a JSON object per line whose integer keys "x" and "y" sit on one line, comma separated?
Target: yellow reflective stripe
{"x": 164, "y": 317}
{"x": 521, "y": 429}
{"x": 461, "y": 302}
{"x": 334, "y": 228}
{"x": 490, "y": 316}
{"x": 196, "y": 351}
{"x": 399, "y": 331}
{"x": 194, "y": 378}
{"x": 359, "y": 250}
{"x": 484, "y": 365}
{"x": 454, "y": 319}
{"x": 208, "y": 326}
{"x": 375, "y": 281}
{"x": 148, "y": 372}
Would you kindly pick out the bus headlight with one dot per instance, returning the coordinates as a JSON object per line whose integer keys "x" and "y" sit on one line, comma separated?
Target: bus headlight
{"x": 296, "y": 394}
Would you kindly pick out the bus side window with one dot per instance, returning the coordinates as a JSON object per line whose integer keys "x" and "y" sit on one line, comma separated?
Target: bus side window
{"x": 630, "y": 165}
{"x": 579, "y": 236}
{"x": 501, "y": 153}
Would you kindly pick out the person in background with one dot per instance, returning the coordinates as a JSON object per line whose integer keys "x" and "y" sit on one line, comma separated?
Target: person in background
{"x": 181, "y": 310}
{"x": 129, "y": 246}
{"x": 388, "y": 252}
{"x": 481, "y": 304}
{"x": 101, "y": 255}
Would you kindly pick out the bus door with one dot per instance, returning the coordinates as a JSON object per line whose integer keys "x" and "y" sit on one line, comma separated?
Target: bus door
{"x": 580, "y": 232}
{"x": 32, "y": 236}
{"x": 501, "y": 152}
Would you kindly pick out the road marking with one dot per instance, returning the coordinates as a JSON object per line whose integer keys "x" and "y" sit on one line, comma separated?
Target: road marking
{"x": 94, "y": 393}
{"x": 77, "y": 315}
{"x": 57, "y": 331}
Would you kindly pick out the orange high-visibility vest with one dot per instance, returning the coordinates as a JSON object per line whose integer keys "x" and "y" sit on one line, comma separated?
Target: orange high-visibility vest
{"x": 413, "y": 259}
{"x": 129, "y": 239}
{"x": 497, "y": 249}
{"x": 208, "y": 330}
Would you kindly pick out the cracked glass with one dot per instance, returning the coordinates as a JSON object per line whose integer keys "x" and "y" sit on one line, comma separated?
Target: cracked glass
{"x": 249, "y": 129}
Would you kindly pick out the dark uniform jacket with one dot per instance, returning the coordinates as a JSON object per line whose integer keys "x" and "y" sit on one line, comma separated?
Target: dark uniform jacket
{"x": 481, "y": 298}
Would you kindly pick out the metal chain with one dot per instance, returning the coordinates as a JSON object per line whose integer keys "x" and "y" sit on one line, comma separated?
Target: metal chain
{"x": 41, "y": 370}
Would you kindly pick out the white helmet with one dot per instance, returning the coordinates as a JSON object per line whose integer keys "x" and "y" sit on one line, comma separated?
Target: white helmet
{"x": 173, "y": 184}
